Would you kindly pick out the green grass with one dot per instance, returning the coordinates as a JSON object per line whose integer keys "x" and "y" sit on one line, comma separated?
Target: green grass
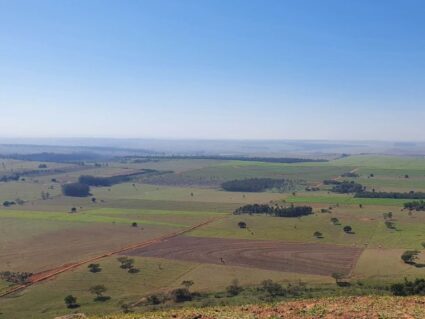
{"x": 85, "y": 217}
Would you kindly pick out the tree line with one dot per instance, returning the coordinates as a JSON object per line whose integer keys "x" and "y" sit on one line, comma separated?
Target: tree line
{"x": 287, "y": 160}
{"x": 279, "y": 211}
{"x": 397, "y": 195}
{"x": 254, "y": 184}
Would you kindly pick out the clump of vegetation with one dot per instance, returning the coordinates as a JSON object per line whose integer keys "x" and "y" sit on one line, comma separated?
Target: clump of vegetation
{"x": 19, "y": 278}
{"x": 98, "y": 291}
{"x": 410, "y": 256}
{"x": 409, "y": 288}
{"x": 181, "y": 295}
{"x": 318, "y": 234}
{"x": 335, "y": 221}
{"x": 128, "y": 263}
{"x": 242, "y": 225}
{"x": 234, "y": 288}
{"x": 256, "y": 185}
{"x": 348, "y": 229}
{"x": 346, "y": 187}
{"x": 279, "y": 211}
{"x": 76, "y": 190}
{"x": 94, "y": 268}
{"x": 415, "y": 205}
{"x": 71, "y": 302}
{"x": 350, "y": 174}
{"x": 8, "y": 203}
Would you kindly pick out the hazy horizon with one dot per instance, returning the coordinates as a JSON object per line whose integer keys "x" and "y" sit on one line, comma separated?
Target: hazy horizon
{"x": 309, "y": 70}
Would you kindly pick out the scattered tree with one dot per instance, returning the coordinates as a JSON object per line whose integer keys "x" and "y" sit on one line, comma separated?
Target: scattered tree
{"x": 71, "y": 302}
{"x": 242, "y": 225}
{"x": 94, "y": 268}
{"x": 348, "y": 229}
{"x": 410, "y": 256}
{"x": 99, "y": 290}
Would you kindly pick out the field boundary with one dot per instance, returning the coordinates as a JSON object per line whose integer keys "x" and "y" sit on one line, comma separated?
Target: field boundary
{"x": 45, "y": 275}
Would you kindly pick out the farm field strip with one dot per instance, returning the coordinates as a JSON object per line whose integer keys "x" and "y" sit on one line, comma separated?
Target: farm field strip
{"x": 316, "y": 259}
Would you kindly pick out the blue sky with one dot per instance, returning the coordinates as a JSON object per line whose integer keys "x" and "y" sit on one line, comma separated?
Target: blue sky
{"x": 213, "y": 69}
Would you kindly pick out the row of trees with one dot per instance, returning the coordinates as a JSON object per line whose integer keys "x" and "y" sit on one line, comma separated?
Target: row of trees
{"x": 15, "y": 277}
{"x": 254, "y": 184}
{"x": 279, "y": 211}
{"x": 405, "y": 195}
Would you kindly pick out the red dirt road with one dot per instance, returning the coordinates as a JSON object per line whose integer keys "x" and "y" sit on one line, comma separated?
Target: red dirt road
{"x": 317, "y": 259}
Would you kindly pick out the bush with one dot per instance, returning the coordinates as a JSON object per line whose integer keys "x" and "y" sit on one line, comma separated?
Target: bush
{"x": 71, "y": 302}
{"x": 181, "y": 295}
{"x": 348, "y": 229}
{"x": 347, "y": 187}
{"x": 155, "y": 299}
{"x": 234, "y": 289}
{"x": 410, "y": 256}
{"x": 273, "y": 289}
{"x": 242, "y": 225}
{"x": 409, "y": 288}
{"x": 76, "y": 190}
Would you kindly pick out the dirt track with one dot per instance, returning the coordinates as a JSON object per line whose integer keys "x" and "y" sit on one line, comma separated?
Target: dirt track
{"x": 318, "y": 259}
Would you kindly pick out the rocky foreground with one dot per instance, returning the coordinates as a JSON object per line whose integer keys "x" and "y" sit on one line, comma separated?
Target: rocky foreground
{"x": 368, "y": 307}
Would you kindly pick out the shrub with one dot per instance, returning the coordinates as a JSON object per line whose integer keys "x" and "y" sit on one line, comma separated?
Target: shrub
{"x": 234, "y": 289}
{"x": 348, "y": 229}
{"x": 71, "y": 302}
{"x": 410, "y": 256}
{"x": 242, "y": 225}
{"x": 273, "y": 289}
{"x": 94, "y": 268}
{"x": 409, "y": 288}
{"x": 181, "y": 295}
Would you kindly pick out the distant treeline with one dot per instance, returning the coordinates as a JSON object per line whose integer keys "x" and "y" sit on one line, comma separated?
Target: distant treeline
{"x": 409, "y": 195}
{"x": 112, "y": 180}
{"x": 288, "y": 160}
{"x": 253, "y": 184}
{"x": 415, "y": 205}
{"x": 55, "y": 157}
{"x": 346, "y": 187}
{"x": 279, "y": 211}
{"x": 8, "y": 178}
{"x": 82, "y": 187}
{"x": 331, "y": 182}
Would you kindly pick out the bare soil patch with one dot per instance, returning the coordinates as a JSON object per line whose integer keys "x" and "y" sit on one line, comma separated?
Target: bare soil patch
{"x": 317, "y": 259}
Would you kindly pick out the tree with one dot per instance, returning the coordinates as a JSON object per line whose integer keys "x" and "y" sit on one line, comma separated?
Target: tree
{"x": 410, "y": 256}
{"x": 76, "y": 190}
{"x": 318, "y": 234}
{"x": 126, "y": 263}
{"x": 94, "y": 268}
{"x": 234, "y": 289}
{"x": 335, "y": 220}
{"x": 187, "y": 283}
{"x": 99, "y": 290}
{"x": 134, "y": 224}
{"x": 181, "y": 295}
{"x": 73, "y": 210}
{"x": 93, "y": 199}
{"x": 71, "y": 302}
{"x": 348, "y": 229}
{"x": 242, "y": 225}
{"x": 273, "y": 288}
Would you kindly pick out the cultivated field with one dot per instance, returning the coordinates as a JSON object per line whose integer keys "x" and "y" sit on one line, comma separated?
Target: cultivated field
{"x": 43, "y": 232}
